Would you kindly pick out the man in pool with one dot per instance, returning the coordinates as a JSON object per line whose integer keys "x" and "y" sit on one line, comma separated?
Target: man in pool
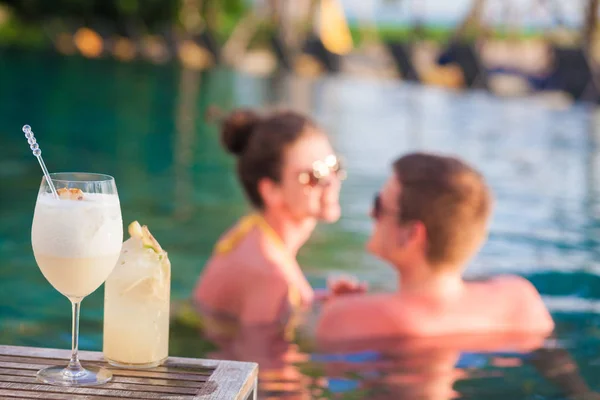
{"x": 430, "y": 219}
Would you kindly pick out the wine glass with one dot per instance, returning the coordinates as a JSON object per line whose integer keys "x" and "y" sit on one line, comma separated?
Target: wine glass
{"x": 76, "y": 235}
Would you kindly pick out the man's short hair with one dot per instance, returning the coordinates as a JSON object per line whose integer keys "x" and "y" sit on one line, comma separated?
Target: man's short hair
{"x": 450, "y": 198}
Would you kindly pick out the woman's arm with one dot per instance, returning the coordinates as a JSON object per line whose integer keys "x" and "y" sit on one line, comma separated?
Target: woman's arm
{"x": 340, "y": 287}
{"x": 265, "y": 300}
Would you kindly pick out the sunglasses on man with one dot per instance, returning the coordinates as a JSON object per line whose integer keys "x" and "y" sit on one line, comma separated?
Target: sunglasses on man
{"x": 379, "y": 209}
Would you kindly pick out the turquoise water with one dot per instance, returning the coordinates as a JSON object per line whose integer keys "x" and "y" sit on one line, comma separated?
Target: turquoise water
{"x": 144, "y": 125}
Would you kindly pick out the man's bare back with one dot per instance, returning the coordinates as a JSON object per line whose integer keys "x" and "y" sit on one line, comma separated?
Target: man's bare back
{"x": 503, "y": 304}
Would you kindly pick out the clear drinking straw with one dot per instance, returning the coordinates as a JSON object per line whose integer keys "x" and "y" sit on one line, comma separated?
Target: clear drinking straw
{"x": 37, "y": 152}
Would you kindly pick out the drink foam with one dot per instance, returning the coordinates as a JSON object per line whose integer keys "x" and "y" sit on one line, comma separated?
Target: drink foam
{"x": 77, "y": 228}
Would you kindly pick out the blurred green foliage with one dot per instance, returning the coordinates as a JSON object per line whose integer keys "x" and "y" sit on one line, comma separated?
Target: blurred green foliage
{"x": 152, "y": 12}
{"x": 22, "y": 22}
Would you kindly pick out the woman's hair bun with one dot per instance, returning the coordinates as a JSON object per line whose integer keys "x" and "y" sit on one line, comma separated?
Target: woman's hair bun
{"x": 237, "y": 128}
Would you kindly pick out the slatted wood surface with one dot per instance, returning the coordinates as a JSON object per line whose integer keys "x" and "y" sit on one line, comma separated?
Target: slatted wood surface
{"x": 176, "y": 379}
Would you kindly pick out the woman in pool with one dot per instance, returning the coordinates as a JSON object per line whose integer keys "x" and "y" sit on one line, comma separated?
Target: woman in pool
{"x": 292, "y": 177}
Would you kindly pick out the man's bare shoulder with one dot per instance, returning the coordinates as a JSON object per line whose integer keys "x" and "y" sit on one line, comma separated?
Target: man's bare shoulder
{"x": 527, "y": 309}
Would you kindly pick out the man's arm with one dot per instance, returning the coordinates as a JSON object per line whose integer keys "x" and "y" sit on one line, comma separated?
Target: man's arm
{"x": 558, "y": 367}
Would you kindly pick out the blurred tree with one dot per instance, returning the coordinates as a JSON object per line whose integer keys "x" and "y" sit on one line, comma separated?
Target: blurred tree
{"x": 154, "y": 14}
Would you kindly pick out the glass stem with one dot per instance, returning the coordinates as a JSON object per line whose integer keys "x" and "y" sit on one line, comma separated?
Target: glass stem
{"x": 74, "y": 368}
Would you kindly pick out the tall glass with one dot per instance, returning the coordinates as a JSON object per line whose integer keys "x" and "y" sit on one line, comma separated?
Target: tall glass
{"x": 136, "y": 306}
{"x": 76, "y": 242}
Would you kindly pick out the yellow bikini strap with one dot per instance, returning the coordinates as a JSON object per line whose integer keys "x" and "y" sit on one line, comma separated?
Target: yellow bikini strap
{"x": 244, "y": 226}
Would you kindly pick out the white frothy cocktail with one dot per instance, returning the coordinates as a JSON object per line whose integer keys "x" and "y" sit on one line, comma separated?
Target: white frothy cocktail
{"x": 76, "y": 243}
{"x": 76, "y": 238}
{"x": 76, "y": 235}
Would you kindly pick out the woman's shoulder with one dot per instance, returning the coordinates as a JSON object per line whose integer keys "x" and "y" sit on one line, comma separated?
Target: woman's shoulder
{"x": 250, "y": 261}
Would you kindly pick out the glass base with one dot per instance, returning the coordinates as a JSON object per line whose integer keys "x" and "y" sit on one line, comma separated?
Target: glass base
{"x": 118, "y": 364}
{"x": 61, "y": 376}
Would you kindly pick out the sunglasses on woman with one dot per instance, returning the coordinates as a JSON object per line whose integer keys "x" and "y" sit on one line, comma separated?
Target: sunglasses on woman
{"x": 322, "y": 171}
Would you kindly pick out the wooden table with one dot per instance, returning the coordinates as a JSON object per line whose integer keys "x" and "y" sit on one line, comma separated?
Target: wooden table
{"x": 176, "y": 379}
